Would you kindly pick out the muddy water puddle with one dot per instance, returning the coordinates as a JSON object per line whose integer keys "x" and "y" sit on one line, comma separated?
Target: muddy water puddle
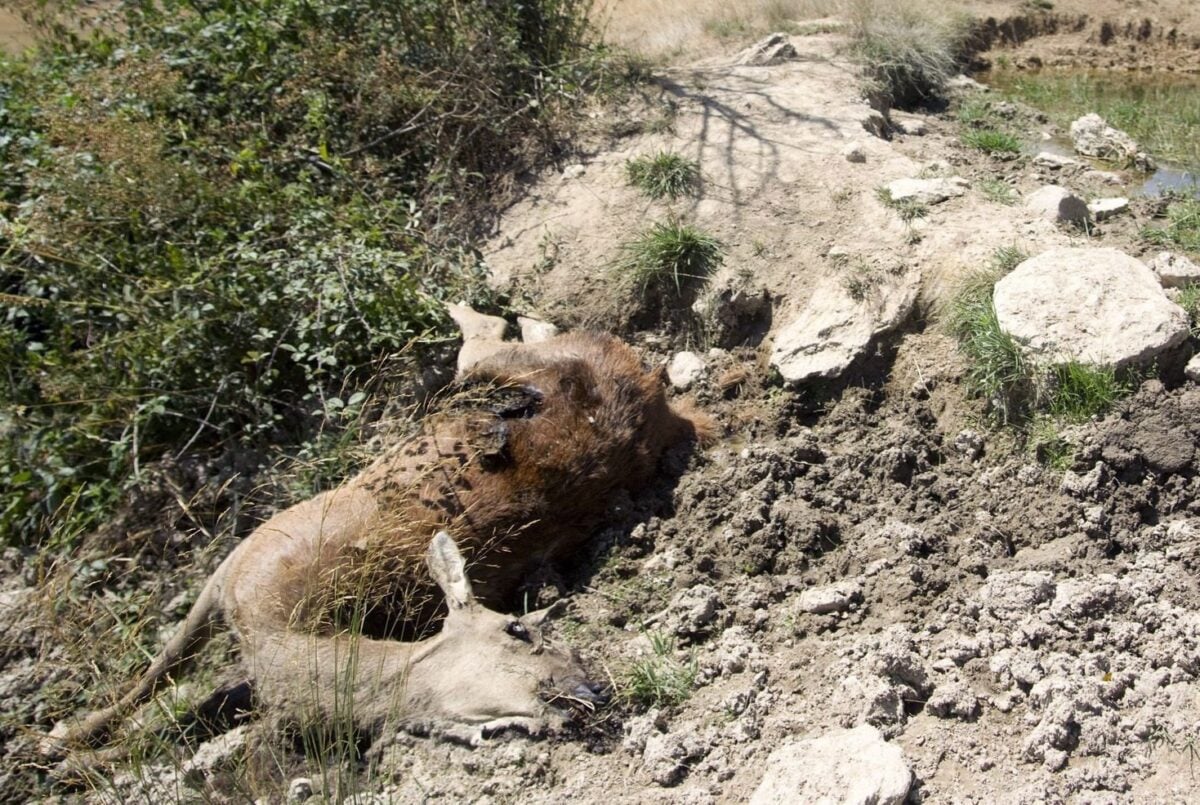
{"x": 1160, "y": 111}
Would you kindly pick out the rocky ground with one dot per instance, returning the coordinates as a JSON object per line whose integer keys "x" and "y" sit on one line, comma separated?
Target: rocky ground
{"x": 870, "y": 593}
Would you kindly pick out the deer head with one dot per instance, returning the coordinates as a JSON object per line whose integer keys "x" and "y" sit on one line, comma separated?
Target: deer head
{"x": 487, "y": 671}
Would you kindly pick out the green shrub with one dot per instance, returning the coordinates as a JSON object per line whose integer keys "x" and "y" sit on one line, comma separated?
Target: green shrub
{"x": 664, "y": 175}
{"x": 215, "y": 218}
{"x": 669, "y": 255}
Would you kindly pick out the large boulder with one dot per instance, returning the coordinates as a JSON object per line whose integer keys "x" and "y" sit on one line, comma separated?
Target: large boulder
{"x": 851, "y": 767}
{"x": 1058, "y": 205}
{"x": 1093, "y": 137}
{"x": 835, "y": 329}
{"x": 1094, "y": 306}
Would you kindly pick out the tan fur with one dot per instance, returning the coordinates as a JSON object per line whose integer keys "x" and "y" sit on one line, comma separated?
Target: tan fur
{"x": 519, "y": 478}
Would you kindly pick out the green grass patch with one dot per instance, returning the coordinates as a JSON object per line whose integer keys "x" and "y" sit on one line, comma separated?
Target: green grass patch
{"x": 669, "y": 255}
{"x": 1078, "y": 392}
{"x": 992, "y": 141}
{"x": 908, "y": 209}
{"x": 1182, "y": 228}
{"x": 664, "y": 175}
{"x": 1189, "y": 300}
{"x": 1161, "y": 112}
{"x": 997, "y": 191}
{"x": 659, "y": 680}
{"x": 1048, "y": 446}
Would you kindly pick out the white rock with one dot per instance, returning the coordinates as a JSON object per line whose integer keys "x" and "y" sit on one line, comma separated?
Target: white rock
{"x": 914, "y": 125}
{"x": 834, "y": 329}
{"x": 534, "y": 331}
{"x": 1093, "y": 137}
{"x": 1046, "y": 159}
{"x": 219, "y": 754}
{"x": 772, "y": 49}
{"x": 1174, "y": 270}
{"x": 300, "y": 790}
{"x": 830, "y": 598}
{"x": 685, "y": 369}
{"x": 1058, "y": 205}
{"x": 965, "y": 82}
{"x": 573, "y": 172}
{"x": 1105, "y": 208}
{"x": 927, "y": 191}
{"x": 1103, "y": 177}
{"x": 854, "y": 153}
{"x": 852, "y": 767}
{"x": 1095, "y": 306}
{"x": 1192, "y": 370}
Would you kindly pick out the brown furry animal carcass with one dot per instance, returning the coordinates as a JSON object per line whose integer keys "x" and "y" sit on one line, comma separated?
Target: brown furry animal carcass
{"x": 517, "y": 472}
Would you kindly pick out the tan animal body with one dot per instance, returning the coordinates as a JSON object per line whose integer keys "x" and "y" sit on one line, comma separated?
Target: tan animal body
{"x": 518, "y": 476}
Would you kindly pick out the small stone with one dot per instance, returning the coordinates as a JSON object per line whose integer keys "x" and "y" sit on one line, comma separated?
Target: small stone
{"x": 573, "y": 172}
{"x": 534, "y": 331}
{"x": 913, "y": 125}
{"x": 1174, "y": 270}
{"x": 852, "y": 767}
{"x": 685, "y": 369}
{"x": 300, "y": 789}
{"x": 964, "y": 83}
{"x": 927, "y": 191}
{"x": 1102, "y": 177}
{"x": 831, "y": 598}
{"x": 854, "y": 153}
{"x": 1058, "y": 205}
{"x": 1192, "y": 370}
{"x": 1105, "y": 208}
{"x": 1046, "y": 159}
{"x": 969, "y": 443}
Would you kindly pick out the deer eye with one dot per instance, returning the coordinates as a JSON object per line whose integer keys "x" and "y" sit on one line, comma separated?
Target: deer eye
{"x": 517, "y": 629}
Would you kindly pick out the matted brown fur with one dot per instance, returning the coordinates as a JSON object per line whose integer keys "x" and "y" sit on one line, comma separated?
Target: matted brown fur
{"x": 518, "y": 474}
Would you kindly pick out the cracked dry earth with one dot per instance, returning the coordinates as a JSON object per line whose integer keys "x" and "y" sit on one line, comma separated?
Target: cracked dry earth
{"x": 857, "y": 549}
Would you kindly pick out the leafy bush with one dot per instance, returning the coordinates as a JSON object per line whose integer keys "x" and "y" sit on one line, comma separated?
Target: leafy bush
{"x": 215, "y": 217}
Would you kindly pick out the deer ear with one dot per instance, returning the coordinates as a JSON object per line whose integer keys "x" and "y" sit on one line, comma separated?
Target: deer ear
{"x": 448, "y": 569}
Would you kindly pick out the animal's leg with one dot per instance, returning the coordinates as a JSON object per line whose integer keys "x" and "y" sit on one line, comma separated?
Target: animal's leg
{"x": 183, "y": 645}
{"x": 483, "y": 336}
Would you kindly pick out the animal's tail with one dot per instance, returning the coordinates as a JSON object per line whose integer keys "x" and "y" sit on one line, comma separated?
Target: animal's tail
{"x": 188, "y": 639}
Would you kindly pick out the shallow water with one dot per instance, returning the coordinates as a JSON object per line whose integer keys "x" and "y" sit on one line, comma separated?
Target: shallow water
{"x": 1161, "y": 111}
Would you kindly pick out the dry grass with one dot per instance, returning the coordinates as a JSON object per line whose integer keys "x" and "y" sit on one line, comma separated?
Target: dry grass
{"x": 664, "y": 29}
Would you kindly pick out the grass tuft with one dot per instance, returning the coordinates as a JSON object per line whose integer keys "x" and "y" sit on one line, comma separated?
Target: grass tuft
{"x": 997, "y": 191}
{"x": 669, "y": 255}
{"x": 908, "y": 209}
{"x": 908, "y": 53}
{"x": 1182, "y": 229}
{"x": 1077, "y": 392}
{"x": 664, "y": 175}
{"x": 992, "y": 141}
{"x": 1189, "y": 300}
{"x": 659, "y": 680}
